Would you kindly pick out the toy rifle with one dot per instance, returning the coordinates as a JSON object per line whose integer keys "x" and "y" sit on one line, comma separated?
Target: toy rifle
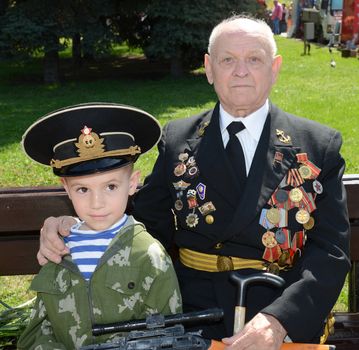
{"x": 167, "y": 332}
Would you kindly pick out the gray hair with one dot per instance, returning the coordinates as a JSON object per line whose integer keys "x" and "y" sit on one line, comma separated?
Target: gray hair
{"x": 246, "y": 24}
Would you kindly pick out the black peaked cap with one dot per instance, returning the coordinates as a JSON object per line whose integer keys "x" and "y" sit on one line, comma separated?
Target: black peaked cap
{"x": 118, "y": 130}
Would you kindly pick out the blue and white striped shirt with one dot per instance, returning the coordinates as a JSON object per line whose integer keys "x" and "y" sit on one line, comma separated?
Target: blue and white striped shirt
{"x": 87, "y": 246}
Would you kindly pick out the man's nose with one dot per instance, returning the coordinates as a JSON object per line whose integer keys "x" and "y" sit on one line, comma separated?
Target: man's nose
{"x": 240, "y": 69}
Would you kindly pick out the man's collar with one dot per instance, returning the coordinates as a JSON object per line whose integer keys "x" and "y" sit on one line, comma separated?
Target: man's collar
{"x": 253, "y": 122}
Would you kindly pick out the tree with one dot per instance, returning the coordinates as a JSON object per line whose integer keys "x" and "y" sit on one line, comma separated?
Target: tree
{"x": 44, "y": 27}
{"x": 179, "y": 30}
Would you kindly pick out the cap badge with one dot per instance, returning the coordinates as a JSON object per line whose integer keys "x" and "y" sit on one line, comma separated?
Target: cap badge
{"x": 89, "y": 143}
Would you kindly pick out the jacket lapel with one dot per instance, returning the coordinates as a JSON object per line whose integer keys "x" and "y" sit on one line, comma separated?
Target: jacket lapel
{"x": 265, "y": 174}
{"x": 215, "y": 169}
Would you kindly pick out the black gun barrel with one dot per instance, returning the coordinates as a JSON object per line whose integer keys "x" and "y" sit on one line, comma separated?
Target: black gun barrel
{"x": 209, "y": 315}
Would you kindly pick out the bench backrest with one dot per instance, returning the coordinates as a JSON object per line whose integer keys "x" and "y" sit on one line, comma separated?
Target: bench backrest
{"x": 23, "y": 211}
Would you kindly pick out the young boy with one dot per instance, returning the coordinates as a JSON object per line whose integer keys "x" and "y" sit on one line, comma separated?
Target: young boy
{"x": 115, "y": 271}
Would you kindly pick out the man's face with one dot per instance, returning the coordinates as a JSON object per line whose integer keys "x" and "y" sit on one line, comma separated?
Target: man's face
{"x": 242, "y": 70}
{"x": 100, "y": 199}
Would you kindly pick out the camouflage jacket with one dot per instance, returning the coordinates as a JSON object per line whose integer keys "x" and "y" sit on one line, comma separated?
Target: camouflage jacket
{"x": 134, "y": 277}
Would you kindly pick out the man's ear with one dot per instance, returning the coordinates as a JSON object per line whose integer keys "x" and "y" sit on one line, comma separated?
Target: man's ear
{"x": 276, "y": 65}
{"x": 208, "y": 68}
{"x": 134, "y": 180}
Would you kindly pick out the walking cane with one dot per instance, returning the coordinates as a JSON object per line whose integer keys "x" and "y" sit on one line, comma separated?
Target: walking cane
{"x": 242, "y": 283}
{"x": 240, "y": 310}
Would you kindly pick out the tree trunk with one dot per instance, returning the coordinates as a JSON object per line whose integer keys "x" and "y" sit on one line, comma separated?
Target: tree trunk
{"x": 76, "y": 50}
{"x": 177, "y": 65}
{"x": 51, "y": 67}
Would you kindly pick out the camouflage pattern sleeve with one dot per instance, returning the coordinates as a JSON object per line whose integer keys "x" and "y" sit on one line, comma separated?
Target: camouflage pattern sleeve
{"x": 39, "y": 334}
{"x": 163, "y": 294}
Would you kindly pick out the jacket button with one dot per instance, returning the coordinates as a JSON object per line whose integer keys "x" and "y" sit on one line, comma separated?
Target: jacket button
{"x": 131, "y": 285}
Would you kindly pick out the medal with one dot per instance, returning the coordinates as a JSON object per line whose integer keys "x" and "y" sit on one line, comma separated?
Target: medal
{"x": 317, "y": 187}
{"x": 209, "y": 219}
{"x": 191, "y": 161}
{"x": 178, "y": 204}
{"x": 310, "y": 224}
{"x": 192, "y": 220}
{"x": 268, "y": 239}
{"x": 305, "y": 172}
{"x": 180, "y": 169}
{"x": 273, "y": 215}
{"x": 302, "y": 216}
{"x": 192, "y": 171}
{"x": 201, "y": 190}
{"x": 191, "y": 199}
{"x": 180, "y": 185}
{"x": 282, "y": 261}
{"x": 295, "y": 195}
{"x": 273, "y": 268}
{"x": 183, "y": 157}
{"x": 207, "y": 208}
{"x": 280, "y": 236}
{"x": 281, "y": 196}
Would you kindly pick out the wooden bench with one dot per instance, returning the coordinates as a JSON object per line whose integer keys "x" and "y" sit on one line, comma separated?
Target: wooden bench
{"x": 23, "y": 211}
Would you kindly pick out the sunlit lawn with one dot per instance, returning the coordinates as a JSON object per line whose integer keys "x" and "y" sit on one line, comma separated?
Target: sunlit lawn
{"x": 308, "y": 86}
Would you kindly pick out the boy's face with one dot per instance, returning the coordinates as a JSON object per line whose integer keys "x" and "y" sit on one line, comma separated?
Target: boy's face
{"x": 100, "y": 199}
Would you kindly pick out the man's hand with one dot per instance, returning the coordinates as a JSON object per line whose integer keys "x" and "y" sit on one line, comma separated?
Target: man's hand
{"x": 51, "y": 246}
{"x": 263, "y": 332}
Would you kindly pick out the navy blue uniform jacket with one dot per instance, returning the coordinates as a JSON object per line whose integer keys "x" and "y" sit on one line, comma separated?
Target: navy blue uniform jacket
{"x": 315, "y": 280}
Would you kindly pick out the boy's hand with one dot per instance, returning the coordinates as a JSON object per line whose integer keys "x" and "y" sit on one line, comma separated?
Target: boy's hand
{"x": 51, "y": 246}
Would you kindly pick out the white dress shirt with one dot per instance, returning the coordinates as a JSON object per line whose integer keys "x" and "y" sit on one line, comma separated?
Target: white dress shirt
{"x": 248, "y": 137}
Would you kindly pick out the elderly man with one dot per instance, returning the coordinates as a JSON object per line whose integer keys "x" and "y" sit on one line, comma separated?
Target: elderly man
{"x": 247, "y": 187}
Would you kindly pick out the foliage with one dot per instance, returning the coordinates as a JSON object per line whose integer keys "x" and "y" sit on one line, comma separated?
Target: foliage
{"x": 13, "y": 321}
{"x": 180, "y": 29}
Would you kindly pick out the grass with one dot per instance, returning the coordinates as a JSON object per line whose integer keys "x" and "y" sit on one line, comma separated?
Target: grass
{"x": 307, "y": 86}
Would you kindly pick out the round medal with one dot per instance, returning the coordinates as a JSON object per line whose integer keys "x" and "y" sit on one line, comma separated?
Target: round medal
{"x": 209, "y": 219}
{"x": 302, "y": 216}
{"x": 178, "y": 204}
{"x": 192, "y": 171}
{"x": 180, "y": 169}
{"x": 192, "y": 220}
{"x": 305, "y": 172}
{"x": 273, "y": 215}
{"x": 280, "y": 236}
{"x": 295, "y": 195}
{"x": 310, "y": 224}
{"x": 268, "y": 239}
{"x": 281, "y": 196}
{"x": 317, "y": 187}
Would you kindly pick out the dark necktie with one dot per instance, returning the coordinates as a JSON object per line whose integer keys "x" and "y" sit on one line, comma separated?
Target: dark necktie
{"x": 235, "y": 152}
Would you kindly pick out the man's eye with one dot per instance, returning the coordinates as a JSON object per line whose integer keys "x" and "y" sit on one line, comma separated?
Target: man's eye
{"x": 254, "y": 60}
{"x": 227, "y": 60}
